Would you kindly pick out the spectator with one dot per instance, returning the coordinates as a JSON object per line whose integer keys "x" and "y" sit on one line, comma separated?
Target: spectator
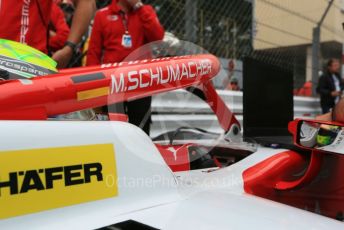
{"x": 330, "y": 86}
{"x": 233, "y": 85}
{"x": 306, "y": 90}
{"x": 58, "y": 29}
{"x": 118, "y": 30}
{"x": 28, "y": 21}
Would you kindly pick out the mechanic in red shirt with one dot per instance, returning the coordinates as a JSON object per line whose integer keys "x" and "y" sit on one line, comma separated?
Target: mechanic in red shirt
{"x": 58, "y": 29}
{"x": 27, "y": 21}
{"x": 109, "y": 29}
{"x": 118, "y": 30}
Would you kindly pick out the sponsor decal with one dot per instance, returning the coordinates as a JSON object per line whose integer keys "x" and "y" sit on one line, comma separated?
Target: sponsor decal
{"x": 25, "y": 20}
{"x": 112, "y": 17}
{"x": 42, "y": 179}
{"x": 22, "y": 68}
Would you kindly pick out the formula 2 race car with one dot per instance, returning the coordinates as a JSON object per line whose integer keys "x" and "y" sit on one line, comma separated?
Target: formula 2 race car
{"x": 111, "y": 175}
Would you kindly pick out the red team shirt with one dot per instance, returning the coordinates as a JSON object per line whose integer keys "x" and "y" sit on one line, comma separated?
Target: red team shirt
{"x": 25, "y": 21}
{"x": 59, "y": 25}
{"x": 106, "y": 40}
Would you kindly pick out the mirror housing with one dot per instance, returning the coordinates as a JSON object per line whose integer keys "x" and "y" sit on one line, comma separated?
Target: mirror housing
{"x": 317, "y": 135}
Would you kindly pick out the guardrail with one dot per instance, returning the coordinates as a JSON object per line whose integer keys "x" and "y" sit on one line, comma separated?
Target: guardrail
{"x": 180, "y": 108}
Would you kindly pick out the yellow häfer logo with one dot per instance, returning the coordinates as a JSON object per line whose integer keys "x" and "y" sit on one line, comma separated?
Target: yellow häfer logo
{"x": 42, "y": 179}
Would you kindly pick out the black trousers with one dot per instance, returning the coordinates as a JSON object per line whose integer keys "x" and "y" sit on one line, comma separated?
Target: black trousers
{"x": 325, "y": 108}
{"x": 138, "y": 111}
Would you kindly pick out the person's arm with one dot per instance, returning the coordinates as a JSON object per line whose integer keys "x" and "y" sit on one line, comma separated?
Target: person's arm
{"x": 153, "y": 30}
{"x": 82, "y": 16}
{"x": 59, "y": 23}
{"x": 337, "y": 113}
{"x": 341, "y": 83}
{"x": 94, "y": 53}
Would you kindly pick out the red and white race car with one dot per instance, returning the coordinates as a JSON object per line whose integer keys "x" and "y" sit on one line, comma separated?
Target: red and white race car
{"x": 111, "y": 175}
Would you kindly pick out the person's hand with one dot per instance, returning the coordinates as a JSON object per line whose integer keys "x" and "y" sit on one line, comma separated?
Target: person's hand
{"x": 63, "y": 56}
{"x": 336, "y": 93}
{"x": 52, "y": 33}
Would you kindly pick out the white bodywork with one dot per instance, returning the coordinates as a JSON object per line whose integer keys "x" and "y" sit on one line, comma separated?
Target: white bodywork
{"x": 149, "y": 192}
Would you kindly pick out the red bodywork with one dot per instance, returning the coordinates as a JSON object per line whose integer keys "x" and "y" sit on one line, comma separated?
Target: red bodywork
{"x": 84, "y": 88}
{"x": 311, "y": 181}
{"x": 323, "y": 194}
{"x": 225, "y": 117}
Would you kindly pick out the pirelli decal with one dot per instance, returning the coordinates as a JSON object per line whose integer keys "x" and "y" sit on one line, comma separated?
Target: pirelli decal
{"x": 43, "y": 179}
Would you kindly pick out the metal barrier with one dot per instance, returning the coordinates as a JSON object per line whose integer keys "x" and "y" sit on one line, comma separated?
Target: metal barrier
{"x": 179, "y": 108}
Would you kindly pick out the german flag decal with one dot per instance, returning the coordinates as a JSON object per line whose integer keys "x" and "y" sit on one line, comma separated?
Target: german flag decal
{"x": 93, "y": 93}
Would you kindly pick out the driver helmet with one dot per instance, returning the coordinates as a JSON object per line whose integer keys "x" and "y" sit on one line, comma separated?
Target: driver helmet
{"x": 327, "y": 134}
